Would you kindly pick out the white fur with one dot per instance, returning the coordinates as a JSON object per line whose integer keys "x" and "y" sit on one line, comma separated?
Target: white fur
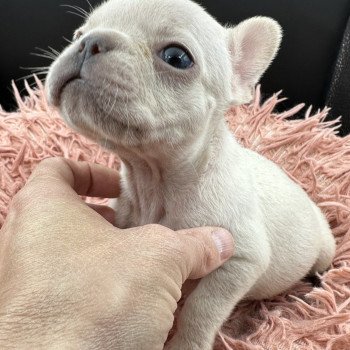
{"x": 181, "y": 165}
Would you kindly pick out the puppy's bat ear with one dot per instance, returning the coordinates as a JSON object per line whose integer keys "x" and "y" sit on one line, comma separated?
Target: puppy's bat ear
{"x": 253, "y": 44}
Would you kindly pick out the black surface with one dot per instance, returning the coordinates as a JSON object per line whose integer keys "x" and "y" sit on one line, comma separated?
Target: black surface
{"x": 339, "y": 92}
{"x": 26, "y": 25}
{"x": 313, "y": 31}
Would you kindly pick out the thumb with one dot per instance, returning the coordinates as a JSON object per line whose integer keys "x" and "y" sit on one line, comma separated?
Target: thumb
{"x": 206, "y": 249}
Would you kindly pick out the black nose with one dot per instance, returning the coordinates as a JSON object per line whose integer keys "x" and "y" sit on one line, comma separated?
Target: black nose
{"x": 93, "y": 45}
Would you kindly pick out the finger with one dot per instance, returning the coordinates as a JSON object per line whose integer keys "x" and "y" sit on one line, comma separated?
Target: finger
{"x": 84, "y": 178}
{"x": 205, "y": 250}
{"x": 107, "y": 212}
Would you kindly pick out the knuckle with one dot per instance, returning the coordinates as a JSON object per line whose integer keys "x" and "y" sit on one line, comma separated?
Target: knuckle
{"x": 168, "y": 242}
{"x": 52, "y": 162}
{"x": 42, "y": 168}
{"x": 160, "y": 233}
{"x": 156, "y": 228}
{"x": 48, "y": 168}
{"x": 32, "y": 188}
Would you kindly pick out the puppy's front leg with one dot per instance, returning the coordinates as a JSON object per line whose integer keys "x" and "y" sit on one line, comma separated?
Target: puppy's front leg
{"x": 212, "y": 302}
{"x": 123, "y": 209}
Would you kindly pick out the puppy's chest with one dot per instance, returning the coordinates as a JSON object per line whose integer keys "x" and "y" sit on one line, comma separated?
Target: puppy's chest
{"x": 175, "y": 207}
{"x": 202, "y": 204}
{"x": 208, "y": 202}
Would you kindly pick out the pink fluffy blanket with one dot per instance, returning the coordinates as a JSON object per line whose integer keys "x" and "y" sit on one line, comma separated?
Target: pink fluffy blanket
{"x": 308, "y": 150}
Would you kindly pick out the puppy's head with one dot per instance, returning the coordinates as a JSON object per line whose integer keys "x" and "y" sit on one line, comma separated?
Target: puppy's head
{"x": 157, "y": 71}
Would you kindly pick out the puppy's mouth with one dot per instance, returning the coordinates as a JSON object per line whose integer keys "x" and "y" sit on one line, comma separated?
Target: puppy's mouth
{"x": 85, "y": 102}
{"x": 57, "y": 88}
{"x": 73, "y": 78}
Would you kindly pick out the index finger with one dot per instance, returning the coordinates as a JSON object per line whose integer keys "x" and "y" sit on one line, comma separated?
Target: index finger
{"x": 84, "y": 178}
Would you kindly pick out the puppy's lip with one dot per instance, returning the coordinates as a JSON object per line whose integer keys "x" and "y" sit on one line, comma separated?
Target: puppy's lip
{"x": 70, "y": 80}
{"x": 59, "y": 86}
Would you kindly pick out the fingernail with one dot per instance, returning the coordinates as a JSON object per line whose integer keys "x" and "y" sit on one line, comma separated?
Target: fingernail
{"x": 224, "y": 243}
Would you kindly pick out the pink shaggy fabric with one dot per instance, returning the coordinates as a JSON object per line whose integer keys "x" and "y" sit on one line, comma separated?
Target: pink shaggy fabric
{"x": 308, "y": 150}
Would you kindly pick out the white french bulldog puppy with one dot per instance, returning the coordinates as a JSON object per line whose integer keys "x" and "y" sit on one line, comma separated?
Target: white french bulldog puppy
{"x": 152, "y": 80}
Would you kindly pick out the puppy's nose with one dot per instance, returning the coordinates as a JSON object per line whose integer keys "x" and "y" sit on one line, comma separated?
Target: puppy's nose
{"x": 93, "y": 45}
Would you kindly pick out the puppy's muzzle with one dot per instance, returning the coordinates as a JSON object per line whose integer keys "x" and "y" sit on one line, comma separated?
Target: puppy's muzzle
{"x": 70, "y": 65}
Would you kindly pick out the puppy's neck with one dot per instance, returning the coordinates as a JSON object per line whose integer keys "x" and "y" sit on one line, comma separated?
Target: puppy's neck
{"x": 152, "y": 174}
{"x": 176, "y": 163}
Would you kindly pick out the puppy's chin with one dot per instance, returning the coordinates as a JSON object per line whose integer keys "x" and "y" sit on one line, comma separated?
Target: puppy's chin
{"x": 110, "y": 123}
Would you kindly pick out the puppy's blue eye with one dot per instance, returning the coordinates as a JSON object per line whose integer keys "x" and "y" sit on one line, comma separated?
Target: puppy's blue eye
{"x": 177, "y": 57}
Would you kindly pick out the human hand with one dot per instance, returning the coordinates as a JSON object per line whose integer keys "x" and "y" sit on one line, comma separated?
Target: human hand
{"x": 69, "y": 279}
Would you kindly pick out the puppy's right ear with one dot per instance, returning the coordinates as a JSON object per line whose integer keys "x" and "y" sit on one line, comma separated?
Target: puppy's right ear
{"x": 253, "y": 44}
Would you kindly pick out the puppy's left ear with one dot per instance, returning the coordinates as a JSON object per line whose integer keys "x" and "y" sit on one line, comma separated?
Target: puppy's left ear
{"x": 253, "y": 44}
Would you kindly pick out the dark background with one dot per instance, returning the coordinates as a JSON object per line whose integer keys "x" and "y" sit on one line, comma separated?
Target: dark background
{"x": 304, "y": 68}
